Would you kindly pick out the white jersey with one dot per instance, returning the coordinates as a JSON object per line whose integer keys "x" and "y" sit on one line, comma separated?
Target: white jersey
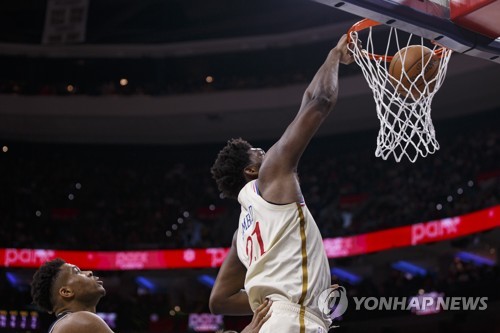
{"x": 282, "y": 249}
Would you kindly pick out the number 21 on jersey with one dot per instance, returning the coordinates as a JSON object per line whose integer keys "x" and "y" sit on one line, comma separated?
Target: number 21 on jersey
{"x": 255, "y": 245}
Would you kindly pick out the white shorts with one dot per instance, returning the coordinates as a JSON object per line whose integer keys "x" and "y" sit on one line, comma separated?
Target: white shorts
{"x": 286, "y": 317}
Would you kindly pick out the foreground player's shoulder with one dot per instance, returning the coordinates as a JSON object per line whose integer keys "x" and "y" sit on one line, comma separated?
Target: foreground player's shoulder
{"x": 82, "y": 322}
{"x": 249, "y": 187}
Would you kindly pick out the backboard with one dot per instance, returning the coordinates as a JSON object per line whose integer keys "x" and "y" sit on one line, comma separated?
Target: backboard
{"x": 468, "y": 27}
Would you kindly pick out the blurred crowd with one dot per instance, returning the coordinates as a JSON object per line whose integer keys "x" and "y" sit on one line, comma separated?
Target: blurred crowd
{"x": 164, "y": 76}
{"x": 127, "y": 85}
{"x": 149, "y": 197}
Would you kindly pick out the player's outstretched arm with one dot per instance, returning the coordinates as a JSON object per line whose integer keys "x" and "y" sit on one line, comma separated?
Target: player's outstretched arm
{"x": 277, "y": 180}
{"x": 227, "y": 296}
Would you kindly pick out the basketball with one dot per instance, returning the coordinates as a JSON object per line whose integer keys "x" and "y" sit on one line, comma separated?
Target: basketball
{"x": 412, "y": 68}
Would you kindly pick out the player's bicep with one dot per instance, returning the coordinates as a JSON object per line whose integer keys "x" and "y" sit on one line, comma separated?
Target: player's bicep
{"x": 231, "y": 275}
{"x": 284, "y": 156}
{"x": 230, "y": 279}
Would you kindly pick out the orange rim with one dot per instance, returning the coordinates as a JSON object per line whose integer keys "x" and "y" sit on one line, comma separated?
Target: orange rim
{"x": 367, "y": 23}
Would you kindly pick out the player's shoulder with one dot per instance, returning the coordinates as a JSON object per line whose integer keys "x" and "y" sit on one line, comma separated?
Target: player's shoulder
{"x": 82, "y": 322}
{"x": 246, "y": 190}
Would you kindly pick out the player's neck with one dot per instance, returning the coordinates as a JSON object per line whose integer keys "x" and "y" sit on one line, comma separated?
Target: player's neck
{"x": 75, "y": 307}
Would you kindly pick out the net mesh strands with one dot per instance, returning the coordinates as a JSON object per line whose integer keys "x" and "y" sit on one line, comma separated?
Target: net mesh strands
{"x": 403, "y": 103}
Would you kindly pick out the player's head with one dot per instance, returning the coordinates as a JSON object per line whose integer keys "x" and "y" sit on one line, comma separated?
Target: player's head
{"x": 236, "y": 164}
{"x": 57, "y": 284}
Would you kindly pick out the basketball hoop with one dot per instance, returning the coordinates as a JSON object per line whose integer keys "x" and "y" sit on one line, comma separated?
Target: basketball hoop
{"x": 403, "y": 103}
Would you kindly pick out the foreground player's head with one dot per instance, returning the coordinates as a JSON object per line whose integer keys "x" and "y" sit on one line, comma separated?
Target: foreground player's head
{"x": 236, "y": 164}
{"x": 58, "y": 286}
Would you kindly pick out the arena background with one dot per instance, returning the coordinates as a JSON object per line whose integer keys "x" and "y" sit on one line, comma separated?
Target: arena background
{"x": 109, "y": 123}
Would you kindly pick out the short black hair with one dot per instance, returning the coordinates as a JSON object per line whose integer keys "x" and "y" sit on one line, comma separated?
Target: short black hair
{"x": 229, "y": 165}
{"x": 41, "y": 286}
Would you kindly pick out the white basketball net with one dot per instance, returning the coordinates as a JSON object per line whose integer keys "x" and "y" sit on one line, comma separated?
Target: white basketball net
{"x": 405, "y": 117}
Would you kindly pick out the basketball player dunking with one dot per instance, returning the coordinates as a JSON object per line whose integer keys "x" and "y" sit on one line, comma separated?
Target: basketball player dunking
{"x": 277, "y": 251}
